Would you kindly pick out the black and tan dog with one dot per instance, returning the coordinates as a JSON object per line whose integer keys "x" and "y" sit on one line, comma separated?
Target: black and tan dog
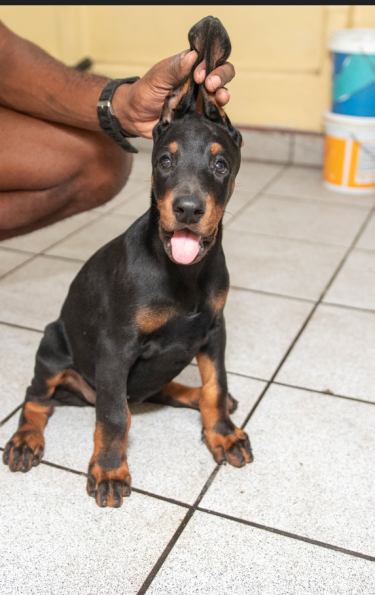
{"x": 151, "y": 300}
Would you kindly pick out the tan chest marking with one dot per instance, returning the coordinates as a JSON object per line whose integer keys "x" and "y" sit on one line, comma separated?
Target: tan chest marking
{"x": 149, "y": 320}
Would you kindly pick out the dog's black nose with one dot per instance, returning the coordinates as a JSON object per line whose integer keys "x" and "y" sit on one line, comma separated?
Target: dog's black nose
{"x": 188, "y": 209}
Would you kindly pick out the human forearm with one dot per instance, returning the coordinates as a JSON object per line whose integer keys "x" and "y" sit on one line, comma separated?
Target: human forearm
{"x": 33, "y": 82}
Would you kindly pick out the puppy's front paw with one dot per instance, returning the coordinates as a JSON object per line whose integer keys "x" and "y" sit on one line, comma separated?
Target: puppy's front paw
{"x": 228, "y": 444}
{"x": 110, "y": 486}
{"x": 24, "y": 450}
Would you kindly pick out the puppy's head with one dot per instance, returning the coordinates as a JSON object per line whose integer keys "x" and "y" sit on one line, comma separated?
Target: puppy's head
{"x": 196, "y": 156}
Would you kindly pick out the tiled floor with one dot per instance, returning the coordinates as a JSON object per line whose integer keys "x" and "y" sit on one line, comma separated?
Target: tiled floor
{"x": 300, "y": 360}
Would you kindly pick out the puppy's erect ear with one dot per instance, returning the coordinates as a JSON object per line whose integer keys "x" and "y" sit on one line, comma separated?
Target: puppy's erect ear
{"x": 211, "y": 41}
{"x": 212, "y": 44}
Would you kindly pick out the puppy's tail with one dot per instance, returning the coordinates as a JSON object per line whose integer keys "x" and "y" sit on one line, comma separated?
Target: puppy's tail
{"x": 211, "y": 41}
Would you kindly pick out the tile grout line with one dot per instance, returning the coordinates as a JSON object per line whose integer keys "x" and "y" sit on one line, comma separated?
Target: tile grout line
{"x": 310, "y": 315}
{"x": 258, "y": 194}
{"x": 16, "y": 250}
{"x": 260, "y": 234}
{"x": 319, "y": 201}
{"x": 154, "y": 571}
{"x": 274, "y": 382}
{"x": 98, "y": 216}
{"x": 287, "y": 534}
{"x": 196, "y": 507}
{"x": 214, "y": 473}
{"x": 10, "y": 415}
{"x": 35, "y": 255}
{"x": 22, "y": 264}
{"x": 322, "y": 392}
{"x": 21, "y": 326}
{"x": 190, "y": 513}
{"x": 272, "y": 294}
{"x": 112, "y": 210}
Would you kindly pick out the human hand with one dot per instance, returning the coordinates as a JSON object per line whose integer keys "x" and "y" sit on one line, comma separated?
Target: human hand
{"x": 138, "y": 106}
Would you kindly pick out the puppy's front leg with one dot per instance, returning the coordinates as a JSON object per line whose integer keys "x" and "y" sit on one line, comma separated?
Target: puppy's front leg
{"x": 108, "y": 474}
{"x": 225, "y": 441}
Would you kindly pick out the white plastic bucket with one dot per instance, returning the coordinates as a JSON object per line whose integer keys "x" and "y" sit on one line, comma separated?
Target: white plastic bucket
{"x": 349, "y": 157}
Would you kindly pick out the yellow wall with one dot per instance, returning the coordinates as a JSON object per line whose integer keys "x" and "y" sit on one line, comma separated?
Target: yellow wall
{"x": 280, "y": 52}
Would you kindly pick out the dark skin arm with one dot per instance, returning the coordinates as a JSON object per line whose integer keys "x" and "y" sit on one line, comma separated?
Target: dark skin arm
{"x": 34, "y": 83}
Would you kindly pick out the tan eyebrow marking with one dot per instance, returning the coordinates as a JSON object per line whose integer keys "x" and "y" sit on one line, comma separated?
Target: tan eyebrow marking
{"x": 215, "y": 148}
{"x": 173, "y": 147}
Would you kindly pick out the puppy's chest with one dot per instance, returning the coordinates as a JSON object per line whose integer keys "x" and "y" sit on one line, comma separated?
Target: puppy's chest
{"x": 178, "y": 331}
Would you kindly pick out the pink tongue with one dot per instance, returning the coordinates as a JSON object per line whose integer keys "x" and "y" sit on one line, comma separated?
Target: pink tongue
{"x": 185, "y": 246}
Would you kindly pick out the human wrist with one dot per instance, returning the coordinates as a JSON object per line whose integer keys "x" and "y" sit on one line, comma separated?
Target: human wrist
{"x": 121, "y": 107}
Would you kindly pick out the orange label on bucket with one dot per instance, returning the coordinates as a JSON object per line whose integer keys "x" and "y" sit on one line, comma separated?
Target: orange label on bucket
{"x": 334, "y": 159}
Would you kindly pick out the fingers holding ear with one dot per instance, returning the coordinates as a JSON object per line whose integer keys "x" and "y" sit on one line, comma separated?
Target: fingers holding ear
{"x": 222, "y": 96}
{"x": 220, "y": 77}
{"x": 185, "y": 63}
{"x": 216, "y": 80}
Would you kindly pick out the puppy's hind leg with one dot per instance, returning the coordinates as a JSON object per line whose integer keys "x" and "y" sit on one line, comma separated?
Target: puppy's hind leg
{"x": 26, "y": 447}
{"x": 179, "y": 395}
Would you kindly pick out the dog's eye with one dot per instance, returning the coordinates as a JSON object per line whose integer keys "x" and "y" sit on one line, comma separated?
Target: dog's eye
{"x": 165, "y": 162}
{"x": 220, "y": 167}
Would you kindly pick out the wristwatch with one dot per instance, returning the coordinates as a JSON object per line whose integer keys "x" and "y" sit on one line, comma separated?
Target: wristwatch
{"x": 108, "y": 121}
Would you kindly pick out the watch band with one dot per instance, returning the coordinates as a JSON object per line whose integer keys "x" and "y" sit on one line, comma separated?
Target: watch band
{"x": 108, "y": 121}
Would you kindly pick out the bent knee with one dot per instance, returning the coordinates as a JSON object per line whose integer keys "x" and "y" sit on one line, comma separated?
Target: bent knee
{"x": 105, "y": 170}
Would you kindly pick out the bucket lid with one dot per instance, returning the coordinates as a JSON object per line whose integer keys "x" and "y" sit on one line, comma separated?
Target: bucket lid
{"x": 356, "y": 121}
{"x": 353, "y": 41}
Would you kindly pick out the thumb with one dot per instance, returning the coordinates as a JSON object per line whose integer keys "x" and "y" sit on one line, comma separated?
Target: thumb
{"x": 180, "y": 67}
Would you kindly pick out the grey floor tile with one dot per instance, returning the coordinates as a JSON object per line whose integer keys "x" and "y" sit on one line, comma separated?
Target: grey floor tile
{"x": 131, "y": 188}
{"x": 301, "y": 220}
{"x": 313, "y": 472}
{"x": 355, "y": 283}
{"x": 17, "y": 355}
{"x": 55, "y": 539}
{"x": 253, "y": 177}
{"x": 39, "y": 240}
{"x": 216, "y": 556}
{"x": 367, "y": 239}
{"x": 143, "y": 144}
{"x": 260, "y": 329}
{"x": 142, "y": 168}
{"x": 32, "y": 295}
{"x": 335, "y": 353}
{"x": 86, "y": 242}
{"x": 280, "y": 265}
{"x": 165, "y": 451}
{"x": 10, "y": 260}
{"x": 238, "y": 200}
{"x": 307, "y": 182}
{"x": 265, "y": 145}
{"x": 138, "y": 204}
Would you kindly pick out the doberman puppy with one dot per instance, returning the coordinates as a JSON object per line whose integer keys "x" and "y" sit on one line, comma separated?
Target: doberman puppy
{"x": 151, "y": 300}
